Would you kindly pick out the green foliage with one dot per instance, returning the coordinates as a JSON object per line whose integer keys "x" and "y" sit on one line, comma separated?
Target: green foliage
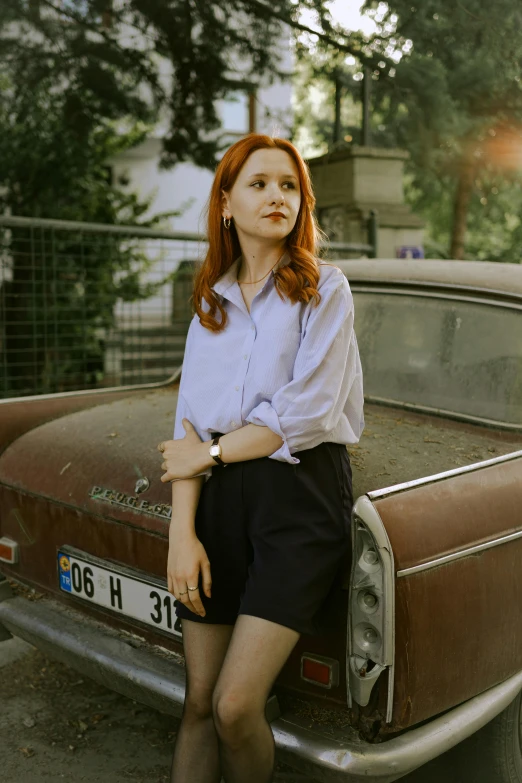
{"x": 136, "y": 57}
{"x": 455, "y": 103}
{"x": 314, "y": 106}
{"x": 446, "y": 86}
{"x": 59, "y": 288}
{"x": 83, "y": 80}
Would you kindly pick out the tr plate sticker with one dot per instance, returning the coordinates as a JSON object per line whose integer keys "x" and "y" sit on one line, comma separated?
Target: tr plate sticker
{"x": 64, "y": 565}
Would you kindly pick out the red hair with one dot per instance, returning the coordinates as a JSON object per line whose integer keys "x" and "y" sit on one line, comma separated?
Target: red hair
{"x": 298, "y": 279}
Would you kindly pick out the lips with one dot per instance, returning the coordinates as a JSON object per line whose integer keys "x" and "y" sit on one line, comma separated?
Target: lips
{"x": 276, "y": 214}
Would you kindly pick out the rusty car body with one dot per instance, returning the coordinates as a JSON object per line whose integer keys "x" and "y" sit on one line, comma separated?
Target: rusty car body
{"x": 426, "y": 642}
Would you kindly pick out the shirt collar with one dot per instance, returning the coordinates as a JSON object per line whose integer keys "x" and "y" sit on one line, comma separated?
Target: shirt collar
{"x": 228, "y": 279}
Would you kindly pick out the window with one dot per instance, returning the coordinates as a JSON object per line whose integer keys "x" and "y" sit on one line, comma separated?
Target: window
{"x": 464, "y": 357}
{"x": 238, "y": 112}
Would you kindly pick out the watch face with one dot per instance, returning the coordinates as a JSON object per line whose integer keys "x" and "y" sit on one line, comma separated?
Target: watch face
{"x": 215, "y": 450}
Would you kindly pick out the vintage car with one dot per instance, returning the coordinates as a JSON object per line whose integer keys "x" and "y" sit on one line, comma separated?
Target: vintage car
{"x": 426, "y": 642}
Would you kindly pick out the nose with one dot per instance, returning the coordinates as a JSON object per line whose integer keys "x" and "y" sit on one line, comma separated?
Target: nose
{"x": 276, "y": 196}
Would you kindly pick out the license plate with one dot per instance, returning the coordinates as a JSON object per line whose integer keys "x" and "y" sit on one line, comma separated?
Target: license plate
{"x": 106, "y": 586}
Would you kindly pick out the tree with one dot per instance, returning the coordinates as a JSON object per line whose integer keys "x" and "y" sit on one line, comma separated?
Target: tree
{"x": 59, "y": 288}
{"x": 58, "y": 128}
{"x": 177, "y": 56}
{"x": 455, "y": 102}
{"x": 81, "y": 80}
{"x": 446, "y": 86}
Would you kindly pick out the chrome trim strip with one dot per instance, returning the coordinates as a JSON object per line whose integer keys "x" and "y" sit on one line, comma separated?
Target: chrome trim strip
{"x": 471, "y": 550}
{"x": 157, "y": 678}
{"x": 381, "y": 493}
{"x": 368, "y": 514}
{"x": 442, "y": 412}
{"x": 86, "y": 392}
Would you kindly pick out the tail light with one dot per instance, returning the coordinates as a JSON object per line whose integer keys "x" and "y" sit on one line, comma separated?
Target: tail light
{"x": 8, "y": 551}
{"x": 319, "y": 670}
{"x": 371, "y": 605}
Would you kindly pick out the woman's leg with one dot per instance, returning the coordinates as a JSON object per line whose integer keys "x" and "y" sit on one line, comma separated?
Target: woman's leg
{"x": 256, "y": 654}
{"x": 196, "y": 755}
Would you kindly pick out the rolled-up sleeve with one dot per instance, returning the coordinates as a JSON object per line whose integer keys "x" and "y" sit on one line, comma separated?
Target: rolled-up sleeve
{"x": 183, "y": 410}
{"x": 326, "y": 368}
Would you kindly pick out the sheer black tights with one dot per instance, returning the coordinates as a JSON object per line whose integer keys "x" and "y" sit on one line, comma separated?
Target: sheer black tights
{"x": 196, "y": 752}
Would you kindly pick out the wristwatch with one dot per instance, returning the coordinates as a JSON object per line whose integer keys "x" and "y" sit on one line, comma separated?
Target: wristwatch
{"x": 215, "y": 451}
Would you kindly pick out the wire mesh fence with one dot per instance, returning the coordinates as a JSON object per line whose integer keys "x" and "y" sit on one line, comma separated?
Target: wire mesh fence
{"x": 87, "y": 306}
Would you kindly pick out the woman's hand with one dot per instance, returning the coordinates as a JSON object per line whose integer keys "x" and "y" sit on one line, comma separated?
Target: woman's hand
{"x": 186, "y": 558}
{"x": 185, "y": 457}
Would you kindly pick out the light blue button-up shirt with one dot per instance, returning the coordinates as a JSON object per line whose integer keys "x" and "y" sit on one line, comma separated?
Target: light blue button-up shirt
{"x": 292, "y": 367}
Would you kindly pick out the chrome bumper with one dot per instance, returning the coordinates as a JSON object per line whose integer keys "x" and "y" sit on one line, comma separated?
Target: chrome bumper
{"x": 157, "y": 678}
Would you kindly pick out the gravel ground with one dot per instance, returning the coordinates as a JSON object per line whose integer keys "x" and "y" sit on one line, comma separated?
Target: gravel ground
{"x": 56, "y": 724}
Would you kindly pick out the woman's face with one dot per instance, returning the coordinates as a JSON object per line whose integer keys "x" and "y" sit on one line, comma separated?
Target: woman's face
{"x": 265, "y": 198}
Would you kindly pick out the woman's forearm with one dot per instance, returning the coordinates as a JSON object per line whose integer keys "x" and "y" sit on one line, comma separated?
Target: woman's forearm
{"x": 185, "y": 499}
{"x": 249, "y": 442}
{"x": 190, "y": 458}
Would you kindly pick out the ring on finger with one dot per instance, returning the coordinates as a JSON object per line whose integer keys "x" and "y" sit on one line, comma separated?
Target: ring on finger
{"x": 193, "y": 588}
{"x": 184, "y": 592}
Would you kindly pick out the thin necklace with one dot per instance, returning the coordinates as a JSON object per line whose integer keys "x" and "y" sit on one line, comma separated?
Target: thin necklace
{"x": 252, "y": 282}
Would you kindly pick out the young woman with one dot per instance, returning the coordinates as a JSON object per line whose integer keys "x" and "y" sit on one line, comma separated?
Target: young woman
{"x": 270, "y": 394}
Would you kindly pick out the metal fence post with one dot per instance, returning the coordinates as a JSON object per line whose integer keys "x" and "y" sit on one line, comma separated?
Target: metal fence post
{"x": 373, "y": 227}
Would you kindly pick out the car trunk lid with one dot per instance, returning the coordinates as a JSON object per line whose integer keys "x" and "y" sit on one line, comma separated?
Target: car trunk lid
{"x": 103, "y": 461}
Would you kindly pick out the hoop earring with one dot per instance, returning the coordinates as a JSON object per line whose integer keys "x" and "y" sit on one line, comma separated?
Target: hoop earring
{"x": 226, "y": 222}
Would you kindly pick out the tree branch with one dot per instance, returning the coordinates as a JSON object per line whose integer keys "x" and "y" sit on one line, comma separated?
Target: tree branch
{"x": 343, "y": 47}
{"x": 478, "y": 18}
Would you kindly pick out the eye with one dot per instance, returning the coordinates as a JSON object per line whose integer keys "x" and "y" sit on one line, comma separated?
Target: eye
{"x": 258, "y": 182}
{"x": 291, "y": 185}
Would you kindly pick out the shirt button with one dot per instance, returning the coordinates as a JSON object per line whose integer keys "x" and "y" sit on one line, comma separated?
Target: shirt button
{"x": 245, "y": 356}
{"x": 252, "y": 327}
{"x": 233, "y": 423}
{"x": 237, "y": 388}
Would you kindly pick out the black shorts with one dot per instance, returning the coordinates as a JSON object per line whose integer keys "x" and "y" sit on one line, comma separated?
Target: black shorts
{"x": 277, "y": 536}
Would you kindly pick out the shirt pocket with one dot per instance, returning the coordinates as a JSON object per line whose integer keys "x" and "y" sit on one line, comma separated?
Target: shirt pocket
{"x": 276, "y": 350}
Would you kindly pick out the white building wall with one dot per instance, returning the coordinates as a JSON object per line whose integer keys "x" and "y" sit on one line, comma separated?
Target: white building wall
{"x": 186, "y": 187}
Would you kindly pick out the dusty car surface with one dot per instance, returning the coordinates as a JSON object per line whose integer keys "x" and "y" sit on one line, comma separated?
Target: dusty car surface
{"x": 426, "y": 641}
